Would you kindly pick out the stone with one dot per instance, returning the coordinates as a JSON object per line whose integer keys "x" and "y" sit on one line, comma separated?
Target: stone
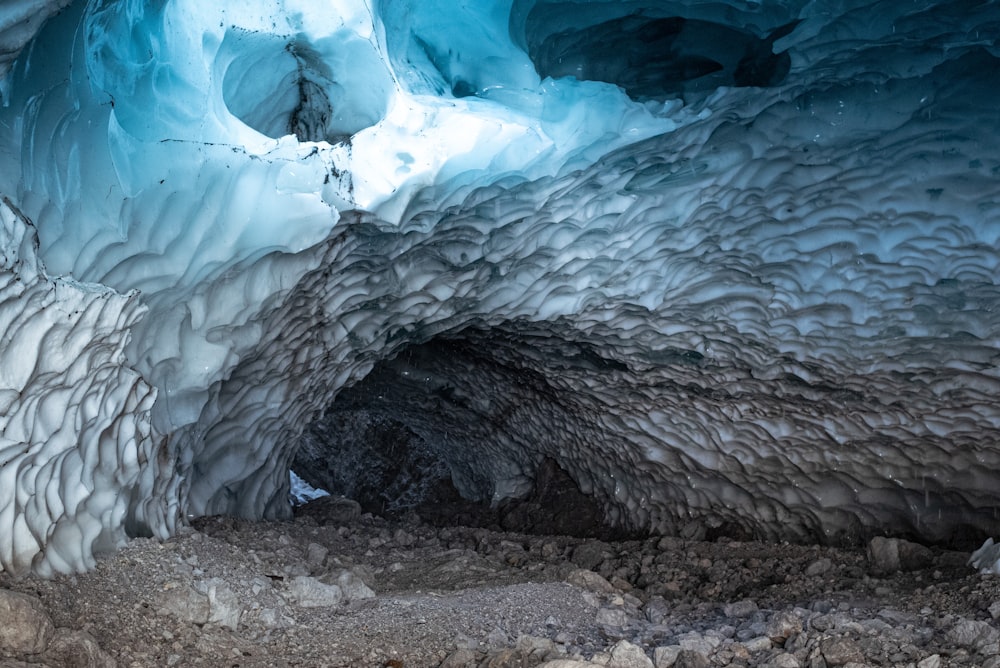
{"x": 891, "y": 555}
{"x": 591, "y": 554}
{"x": 841, "y": 651}
{"x": 758, "y": 644}
{"x": 740, "y": 609}
{"x": 612, "y": 617}
{"x": 656, "y": 610}
{"x": 932, "y": 661}
{"x": 565, "y": 663}
{"x": 502, "y": 658}
{"x": 534, "y": 649}
{"x": 185, "y": 603}
{"x": 353, "y": 587}
{"x": 689, "y": 658}
{"x": 819, "y": 567}
{"x": 309, "y": 592}
{"x": 591, "y": 581}
{"x": 461, "y": 658}
{"x": 973, "y": 633}
{"x": 315, "y": 556}
{"x": 785, "y": 660}
{"x": 76, "y": 649}
{"x": 782, "y": 626}
{"x": 666, "y": 657}
{"x": 335, "y": 510}
{"x": 25, "y": 626}
{"x": 626, "y": 655}
{"x": 225, "y": 608}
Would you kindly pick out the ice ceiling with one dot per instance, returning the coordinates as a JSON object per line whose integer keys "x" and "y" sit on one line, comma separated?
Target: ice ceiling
{"x": 729, "y": 264}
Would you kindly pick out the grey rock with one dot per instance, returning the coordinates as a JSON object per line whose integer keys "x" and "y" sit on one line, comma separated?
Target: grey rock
{"x": 656, "y": 610}
{"x": 591, "y": 581}
{"x": 461, "y": 658}
{"x": 841, "y": 651}
{"x": 666, "y": 657}
{"x": 758, "y": 644}
{"x": 819, "y": 567}
{"x": 612, "y": 617}
{"x": 25, "y": 627}
{"x": 309, "y": 592}
{"x": 626, "y": 655}
{"x": 316, "y": 556}
{"x": 972, "y": 633}
{"x": 890, "y": 555}
{"x": 225, "y": 608}
{"x": 591, "y": 554}
{"x": 932, "y": 661}
{"x": 785, "y": 660}
{"x": 740, "y": 609}
{"x": 76, "y": 649}
{"x": 782, "y": 626}
{"x": 689, "y": 658}
{"x": 353, "y": 587}
{"x": 185, "y": 603}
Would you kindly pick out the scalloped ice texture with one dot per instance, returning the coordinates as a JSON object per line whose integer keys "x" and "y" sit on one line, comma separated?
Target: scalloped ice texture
{"x": 793, "y": 288}
{"x": 77, "y": 458}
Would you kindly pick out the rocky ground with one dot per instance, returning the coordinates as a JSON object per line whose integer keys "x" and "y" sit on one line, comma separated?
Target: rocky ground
{"x": 338, "y": 588}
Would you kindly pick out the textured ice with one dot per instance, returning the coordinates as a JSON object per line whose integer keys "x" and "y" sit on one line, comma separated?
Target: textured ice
{"x": 752, "y": 287}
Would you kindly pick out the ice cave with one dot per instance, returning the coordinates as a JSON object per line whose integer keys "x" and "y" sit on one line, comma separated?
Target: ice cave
{"x": 732, "y": 265}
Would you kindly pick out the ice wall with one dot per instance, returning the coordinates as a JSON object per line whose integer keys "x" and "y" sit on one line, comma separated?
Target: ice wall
{"x": 741, "y": 258}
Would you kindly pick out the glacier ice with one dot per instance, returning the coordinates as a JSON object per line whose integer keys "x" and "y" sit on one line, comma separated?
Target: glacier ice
{"x": 750, "y": 284}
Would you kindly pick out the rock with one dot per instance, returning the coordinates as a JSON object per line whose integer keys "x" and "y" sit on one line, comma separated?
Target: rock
{"x": 666, "y": 657}
{"x": 535, "y": 650}
{"x": 335, "y": 510}
{"x": 782, "y": 626}
{"x": 841, "y": 651}
{"x": 591, "y": 581}
{"x": 740, "y": 609}
{"x": 612, "y": 617}
{"x": 76, "y": 649}
{"x": 502, "y": 658}
{"x": 819, "y": 567}
{"x": 25, "y": 627}
{"x": 758, "y": 644}
{"x": 890, "y": 555}
{"x": 225, "y": 608}
{"x": 185, "y": 603}
{"x": 784, "y": 661}
{"x": 626, "y": 655}
{"x": 461, "y": 658}
{"x": 932, "y": 661}
{"x": 353, "y": 588}
{"x": 973, "y": 634}
{"x": 567, "y": 663}
{"x": 315, "y": 556}
{"x": 309, "y": 592}
{"x": 689, "y": 658}
{"x": 656, "y": 610}
{"x": 591, "y": 554}
{"x": 697, "y": 642}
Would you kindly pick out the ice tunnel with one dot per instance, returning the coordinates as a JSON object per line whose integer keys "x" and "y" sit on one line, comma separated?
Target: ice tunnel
{"x": 733, "y": 266}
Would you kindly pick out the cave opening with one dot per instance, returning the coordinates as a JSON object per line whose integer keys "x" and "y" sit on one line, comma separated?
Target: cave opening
{"x": 462, "y": 430}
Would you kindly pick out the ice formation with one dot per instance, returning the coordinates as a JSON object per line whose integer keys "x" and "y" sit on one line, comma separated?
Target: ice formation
{"x": 731, "y": 265}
